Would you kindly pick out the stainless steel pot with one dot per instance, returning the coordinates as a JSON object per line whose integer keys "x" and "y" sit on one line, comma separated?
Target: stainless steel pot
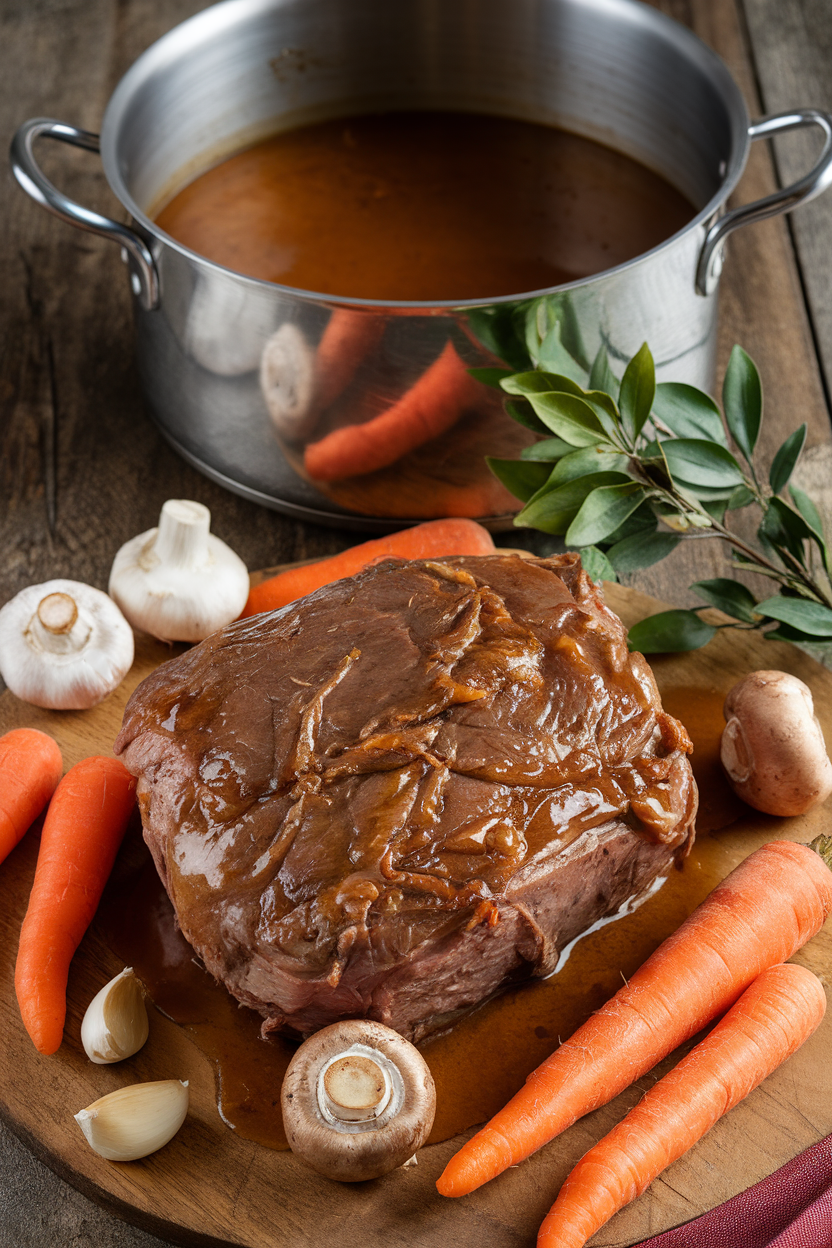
{"x": 228, "y": 363}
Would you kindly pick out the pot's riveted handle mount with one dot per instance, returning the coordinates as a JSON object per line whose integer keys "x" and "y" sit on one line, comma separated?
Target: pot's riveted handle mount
{"x": 143, "y": 271}
{"x": 816, "y": 180}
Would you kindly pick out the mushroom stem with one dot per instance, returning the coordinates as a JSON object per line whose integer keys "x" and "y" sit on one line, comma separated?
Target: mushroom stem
{"x": 353, "y": 1088}
{"x": 56, "y": 627}
{"x": 57, "y": 613}
{"x": 182, "y": 537}
{"x": 358, "y": 1100}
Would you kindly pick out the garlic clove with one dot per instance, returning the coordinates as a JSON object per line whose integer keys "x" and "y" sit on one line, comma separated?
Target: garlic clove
{"x": 179, "y": 582}
{"x": 115, "y": 1024}
{"x": 135, "y": 1121}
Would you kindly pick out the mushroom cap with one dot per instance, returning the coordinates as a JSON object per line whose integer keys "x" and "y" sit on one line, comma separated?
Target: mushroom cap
{"x": 351, "y": 1150}
{"x": 86, "y": 660}
{"x": 179, "y": 582}
{"x": 772, "y": 746}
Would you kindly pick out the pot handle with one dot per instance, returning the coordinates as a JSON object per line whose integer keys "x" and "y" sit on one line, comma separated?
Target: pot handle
{"x": 144, "y": 274}
{"x": 811, "y": 184}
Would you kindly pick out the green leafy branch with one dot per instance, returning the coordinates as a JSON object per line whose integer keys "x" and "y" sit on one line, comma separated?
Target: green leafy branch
{"x": 625, "y": 472}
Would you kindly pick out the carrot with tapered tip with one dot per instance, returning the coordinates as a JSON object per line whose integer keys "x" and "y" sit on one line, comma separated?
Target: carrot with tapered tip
{"x": 770, "y": 1021}
{"x": 769, "y": 906}
{"x": 82, "y": 832}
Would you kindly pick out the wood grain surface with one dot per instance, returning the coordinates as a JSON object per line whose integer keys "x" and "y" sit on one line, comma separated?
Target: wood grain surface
{"x": 82, "y": 469}
{"x": 208, "y": 1186}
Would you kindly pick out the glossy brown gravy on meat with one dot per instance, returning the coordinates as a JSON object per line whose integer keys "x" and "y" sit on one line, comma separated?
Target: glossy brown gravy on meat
{"x": 479, "y": 1062}
{"x": 425, "y": 206}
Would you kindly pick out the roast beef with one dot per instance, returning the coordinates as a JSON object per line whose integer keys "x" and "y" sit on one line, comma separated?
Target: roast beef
{"x": 408, "y": 789}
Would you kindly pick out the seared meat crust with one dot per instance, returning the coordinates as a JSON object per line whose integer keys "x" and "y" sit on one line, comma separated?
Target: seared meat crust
{"x": 407, "y": 789}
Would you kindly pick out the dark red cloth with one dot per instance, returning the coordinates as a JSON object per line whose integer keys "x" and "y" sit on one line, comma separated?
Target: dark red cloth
{"x": 790, "y": 1209}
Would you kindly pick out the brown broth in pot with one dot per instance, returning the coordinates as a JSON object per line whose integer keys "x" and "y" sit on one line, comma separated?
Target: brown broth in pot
{"x": 479, "y": 1062}
{"x": 425, "y": 206}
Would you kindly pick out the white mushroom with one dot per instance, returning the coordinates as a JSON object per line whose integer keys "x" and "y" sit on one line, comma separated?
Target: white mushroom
{"x": 178, "y": 582}
{"x": 772, "y": 745}
{"x": 358, "y": 1101}
{"x": 63, "y": 645}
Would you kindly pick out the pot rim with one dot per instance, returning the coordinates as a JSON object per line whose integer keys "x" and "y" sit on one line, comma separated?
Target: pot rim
{"x": 226, "y": 15}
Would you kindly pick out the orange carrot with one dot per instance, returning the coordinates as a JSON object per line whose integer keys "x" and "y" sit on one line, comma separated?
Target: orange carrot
{"x": 433, "y": 540}
{"x": 769, "y": 906}
{"x": 30, "y": 768}
{"x": 82, "y": 831}
{"x": 770, "y": 1021}
{"x": 433, "y": 404}
{"x": 348, "y": 338}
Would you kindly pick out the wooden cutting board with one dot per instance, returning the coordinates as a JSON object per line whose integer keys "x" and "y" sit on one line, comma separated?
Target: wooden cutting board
{"x": 208, "y": 1186}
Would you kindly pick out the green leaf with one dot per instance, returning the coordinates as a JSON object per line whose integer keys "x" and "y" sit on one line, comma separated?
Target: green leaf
{"x": 601, "y": 376}
{"x": 641, "y": 550}
{"x": 497, "y": 328}
{"x": 808, "y": 510}
{"x": 688, "y": 412}
{"x": 596, "y": 564}
{"x": 549, "y": 449}
{"x": 490, "y": 376}
{"x": 740, "y": 497}
{"x": 554, "y": 356}
{"x": 536, "y": 381}
{"x": 784, "y": 632}
{"x": 521, "y": 411}
{"x": 697, "y": 462}
{"x": 602, "y": 512}
{"x": 560, "y": 308}
{"x": 812, "y": 618}
{"x": 811, "y": 515}
{"x": 570, "y": 417}
{"x": 742, "y": 398}
{"x": 521, "y": 478}
{"x": 603, "y": 405}
{"x": 729, "y": 596}
{"x": 589, "y": 459}
{"x": 670, "y": 632}
{"x": 715, "y": 507}
{"x": 552, "y": 509}
{"x": 643, "y": 520}
{"x": 784, "y": 528}
{"x": 782, "y": 466}
{"x": 710, "y": 493}
{"x": 638, "y": 388}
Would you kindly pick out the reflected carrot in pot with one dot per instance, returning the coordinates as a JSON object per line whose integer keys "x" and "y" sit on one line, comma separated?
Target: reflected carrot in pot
{"x": 770, "y": 1021}
{"x": 767, "y": 908}
{"x": 83, "y": 829}
{"x": 433, "y": 540}
{"x": 432, "y": 405}
{"x": 348, "y": 338}
{"x": 30, "y": 768}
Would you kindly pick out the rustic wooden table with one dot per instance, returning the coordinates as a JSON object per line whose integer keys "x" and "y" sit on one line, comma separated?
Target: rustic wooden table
{"x": 82, "y": 468}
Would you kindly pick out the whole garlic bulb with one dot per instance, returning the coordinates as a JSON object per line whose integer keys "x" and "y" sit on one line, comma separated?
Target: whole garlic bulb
{"x": 135, "y": 1121}
{"x": 115, "y": 1024}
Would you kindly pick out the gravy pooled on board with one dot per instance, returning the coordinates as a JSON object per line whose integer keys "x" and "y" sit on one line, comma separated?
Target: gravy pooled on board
{"x": 425, "y": 206}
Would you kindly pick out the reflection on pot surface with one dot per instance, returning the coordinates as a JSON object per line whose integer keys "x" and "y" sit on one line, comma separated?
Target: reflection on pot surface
{"x": 351, "y": 399}
{"x": 405, "y": 206}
